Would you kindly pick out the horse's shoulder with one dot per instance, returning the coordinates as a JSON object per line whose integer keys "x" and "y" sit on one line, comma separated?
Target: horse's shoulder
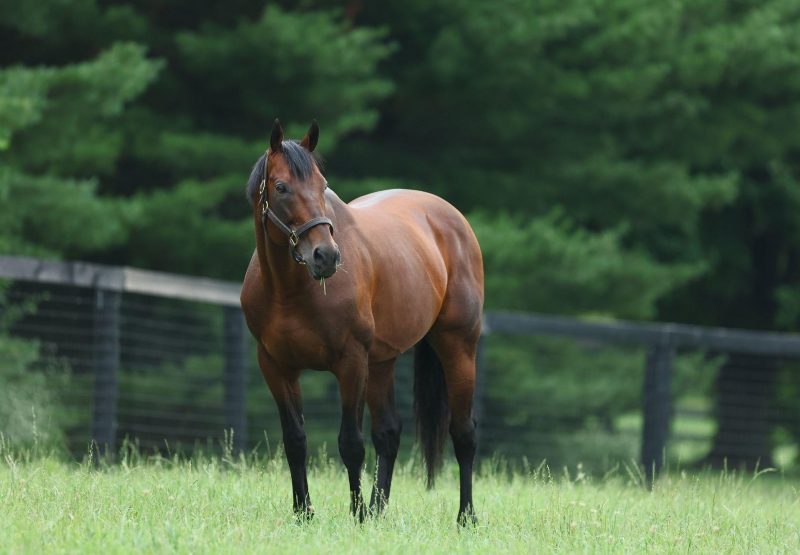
{"x": 252, "y": 295}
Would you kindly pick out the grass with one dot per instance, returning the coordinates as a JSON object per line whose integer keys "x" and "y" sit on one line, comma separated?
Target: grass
{"x": 219, "y": 505}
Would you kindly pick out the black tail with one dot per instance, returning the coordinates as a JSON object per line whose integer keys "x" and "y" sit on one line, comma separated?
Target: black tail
{"x": 430, "y": 406}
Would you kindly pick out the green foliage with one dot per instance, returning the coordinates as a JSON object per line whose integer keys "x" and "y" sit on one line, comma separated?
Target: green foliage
{"x": 59, "y": 129}
{"x": 181, "y": 228}
{"x": 69, "y": 124}
{"x": 30, "y": 384}
{"x": 288, "y": 63}
{"x": 561, "y": 399}
{"x": 56, "y": 215}
{"x": 29, "y": 406}
{"x": 551, "y": 265}
{"x": 69, "y": 24}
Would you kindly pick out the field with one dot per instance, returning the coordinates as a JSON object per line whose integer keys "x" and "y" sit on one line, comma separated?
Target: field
{"x": 216, "y": 505}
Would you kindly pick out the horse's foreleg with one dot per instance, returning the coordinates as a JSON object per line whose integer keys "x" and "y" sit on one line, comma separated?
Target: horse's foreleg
{"x": 386, "y": 427}
{"x": 290, "y": 408}
{"x": 351, "y": 372}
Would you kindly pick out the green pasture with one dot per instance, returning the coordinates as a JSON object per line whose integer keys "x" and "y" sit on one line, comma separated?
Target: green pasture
{"x": 227, "y": 505}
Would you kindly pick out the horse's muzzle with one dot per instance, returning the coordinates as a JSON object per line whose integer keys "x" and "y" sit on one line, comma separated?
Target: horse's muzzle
{"x": 325, "y": 259}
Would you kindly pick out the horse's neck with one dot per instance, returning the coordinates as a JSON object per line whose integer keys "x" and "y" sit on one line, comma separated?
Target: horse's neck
{"x": 280, "y": 274}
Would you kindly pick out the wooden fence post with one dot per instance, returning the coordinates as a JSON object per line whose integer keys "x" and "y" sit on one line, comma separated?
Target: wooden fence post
{"x": 657, "y": 407}
{"x": 106, "y": 366}
{"x": 235, "y": 380}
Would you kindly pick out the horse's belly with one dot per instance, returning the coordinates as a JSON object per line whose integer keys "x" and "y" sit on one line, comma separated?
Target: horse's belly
{"x": 405, "y": 309}
{"x": 392, "y": 339}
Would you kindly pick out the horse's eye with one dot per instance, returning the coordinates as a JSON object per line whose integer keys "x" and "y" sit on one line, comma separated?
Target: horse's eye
{"x": 280, "y": 187}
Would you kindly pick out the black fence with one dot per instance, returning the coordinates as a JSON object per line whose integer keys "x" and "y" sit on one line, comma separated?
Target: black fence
{"x": 166, "y": 361}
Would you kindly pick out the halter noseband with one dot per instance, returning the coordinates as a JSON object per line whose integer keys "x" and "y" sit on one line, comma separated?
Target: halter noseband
{"x": 293, "y": 234}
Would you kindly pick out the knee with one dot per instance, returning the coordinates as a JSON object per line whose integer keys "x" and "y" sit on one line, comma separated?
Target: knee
{"x": 387, "y": 439}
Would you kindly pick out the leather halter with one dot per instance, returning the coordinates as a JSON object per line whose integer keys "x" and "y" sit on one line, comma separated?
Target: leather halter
{"x": 293, "y": 234}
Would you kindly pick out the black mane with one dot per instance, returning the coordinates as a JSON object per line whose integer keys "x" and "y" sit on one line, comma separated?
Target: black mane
{"x": 301, "y": 164}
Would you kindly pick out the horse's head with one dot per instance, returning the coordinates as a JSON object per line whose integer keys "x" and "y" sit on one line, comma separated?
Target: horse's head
{"x": 292, "y": 196}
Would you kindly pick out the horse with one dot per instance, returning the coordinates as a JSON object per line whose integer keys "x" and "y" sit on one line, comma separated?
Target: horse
{"x": 349, "y": 287}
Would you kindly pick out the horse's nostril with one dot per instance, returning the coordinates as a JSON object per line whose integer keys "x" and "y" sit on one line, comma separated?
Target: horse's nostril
{"x": 319, "y": 257}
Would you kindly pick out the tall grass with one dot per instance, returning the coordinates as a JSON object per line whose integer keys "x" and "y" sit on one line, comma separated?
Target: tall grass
{"x": 241, "y": 504}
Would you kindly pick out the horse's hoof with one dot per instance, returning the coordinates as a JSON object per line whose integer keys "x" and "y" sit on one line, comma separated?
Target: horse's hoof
{"x": 376, "y": 508}
{"x": 360, "y": 513}
{"x": 467, "y": 518}
{"x": 304, "y": 515}
{"x": 376, "y": 512}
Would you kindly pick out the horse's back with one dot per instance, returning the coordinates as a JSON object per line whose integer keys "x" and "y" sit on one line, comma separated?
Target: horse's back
{"x": 414, "y": 210}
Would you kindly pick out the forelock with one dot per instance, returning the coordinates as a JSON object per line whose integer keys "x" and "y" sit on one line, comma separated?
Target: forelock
{"x": 300, "y": 161}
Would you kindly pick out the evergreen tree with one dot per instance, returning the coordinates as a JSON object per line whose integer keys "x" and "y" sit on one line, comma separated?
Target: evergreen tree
{"x": 59, "y": 130}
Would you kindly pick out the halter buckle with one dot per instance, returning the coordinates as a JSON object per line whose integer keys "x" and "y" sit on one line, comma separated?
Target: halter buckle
{"x": 263, "y": 198}
{"x": 293, "y": 238}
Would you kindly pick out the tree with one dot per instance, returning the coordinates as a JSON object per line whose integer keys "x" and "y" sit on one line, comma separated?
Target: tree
{"x": 58, "y": 130}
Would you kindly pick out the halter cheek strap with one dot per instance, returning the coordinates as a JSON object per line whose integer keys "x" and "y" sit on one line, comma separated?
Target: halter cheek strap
{"x": 293, "y": 234}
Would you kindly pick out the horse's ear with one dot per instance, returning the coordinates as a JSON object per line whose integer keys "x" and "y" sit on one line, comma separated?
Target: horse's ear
{"x": 309, "y": 142}
{"x": 276, "y": 139}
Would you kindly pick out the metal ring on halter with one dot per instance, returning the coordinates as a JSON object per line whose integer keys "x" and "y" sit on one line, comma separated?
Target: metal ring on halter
{"x": 263, "y": 197}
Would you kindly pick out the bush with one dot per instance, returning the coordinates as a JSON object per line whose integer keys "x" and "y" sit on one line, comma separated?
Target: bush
{"x": 29, "y": 403}
{"x": 30, "y": 380}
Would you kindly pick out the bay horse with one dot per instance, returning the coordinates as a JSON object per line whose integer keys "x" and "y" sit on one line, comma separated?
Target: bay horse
{"x": 411, "y": 275}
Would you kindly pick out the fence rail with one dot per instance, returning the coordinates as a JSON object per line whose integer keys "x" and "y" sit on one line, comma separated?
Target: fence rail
{"x": 661, "y": 342}
{"x": 120, "y": 279}
{"x": 648, "y": 334}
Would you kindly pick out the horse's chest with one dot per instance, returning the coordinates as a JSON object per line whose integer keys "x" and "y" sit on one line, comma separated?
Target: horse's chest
{"x": 299, "y": 343}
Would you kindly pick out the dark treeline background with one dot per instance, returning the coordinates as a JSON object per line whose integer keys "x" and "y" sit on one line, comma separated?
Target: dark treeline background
{"x": 623, "y": 159}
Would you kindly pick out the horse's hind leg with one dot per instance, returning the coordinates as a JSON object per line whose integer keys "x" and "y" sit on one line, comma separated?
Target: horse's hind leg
{"x": 386, "y": 427}
{"x": 457, "y": 352}
{"x": 290, "y": 408}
